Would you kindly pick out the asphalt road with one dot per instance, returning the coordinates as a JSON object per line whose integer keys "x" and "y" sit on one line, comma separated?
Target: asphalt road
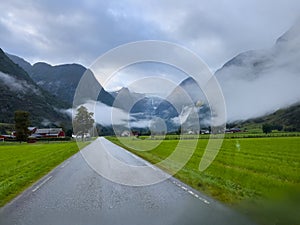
{"x": 74, "y": 194}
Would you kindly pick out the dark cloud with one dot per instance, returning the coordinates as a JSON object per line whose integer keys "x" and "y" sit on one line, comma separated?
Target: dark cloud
{"x": 79, "y": 31}
{"x": 64, "y": 32}
{"x": 218, "y": 30}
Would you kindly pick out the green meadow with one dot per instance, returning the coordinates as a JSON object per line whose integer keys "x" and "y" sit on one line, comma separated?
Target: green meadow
{"x": 258, "y": 176}
{"x": 23, "y": 164}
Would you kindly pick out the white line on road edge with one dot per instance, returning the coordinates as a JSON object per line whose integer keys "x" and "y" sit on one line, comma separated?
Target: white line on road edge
{"x": 37, "y": 187}
{"x": 190, "y": 192}
{"x": 203, "y": 200}
{"x": 66, "y": 163}
{"x": 184, "y": 188}
{"x": 197, "y": 196}
{"x": 174, "y": 182}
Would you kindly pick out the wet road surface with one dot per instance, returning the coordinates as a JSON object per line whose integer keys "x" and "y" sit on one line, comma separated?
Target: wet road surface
{"x": 74, "y": 194}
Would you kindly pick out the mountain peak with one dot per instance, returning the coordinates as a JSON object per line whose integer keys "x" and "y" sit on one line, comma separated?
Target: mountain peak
{"x": 292, "y": 35}
{"x": 260, "y": 81}
{"x": 19, "y": 92}
{"x": 9, "y": 67}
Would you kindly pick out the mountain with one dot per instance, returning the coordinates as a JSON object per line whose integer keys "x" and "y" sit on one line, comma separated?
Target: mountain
{"x": 254, "y": 84}
{"x": 21, "y": 62}
{"x": 287, "y": 118}
{"x": 125, "y": 99}
{"x": 7, "y": 66}
{"x": 260, "y": 82}
{"x": 61, "y": 80}
{"x": 252, "y": 64}
{"x": 19, "y": 92}
{"x": 188, "y": 97}
{"x": 187, "y": 92}
{"x": 147, "y": 110}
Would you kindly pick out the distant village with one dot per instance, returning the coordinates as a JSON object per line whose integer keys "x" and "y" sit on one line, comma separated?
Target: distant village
{"x": 35, "y": 133}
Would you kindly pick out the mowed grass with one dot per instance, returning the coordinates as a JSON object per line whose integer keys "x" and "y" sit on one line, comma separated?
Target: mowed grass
{"x": 260, "y": 176}
{"x": 23, "y": 164}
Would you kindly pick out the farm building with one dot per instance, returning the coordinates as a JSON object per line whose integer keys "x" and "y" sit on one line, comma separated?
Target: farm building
{"x": 35, "y": 132}
{"x": 48, "y": 132}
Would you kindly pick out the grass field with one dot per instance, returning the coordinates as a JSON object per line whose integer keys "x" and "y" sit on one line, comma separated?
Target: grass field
{"x": 227, "y": 135}
{"x": 260, "y": 176}
{"x": 23, "y": 164}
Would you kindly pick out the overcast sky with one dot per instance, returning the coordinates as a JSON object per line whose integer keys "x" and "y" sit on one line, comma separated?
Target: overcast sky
{"x": 79, "y": 31}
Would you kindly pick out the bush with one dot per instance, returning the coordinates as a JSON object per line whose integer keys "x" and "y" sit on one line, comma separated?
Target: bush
{"x": 267, "y": 128}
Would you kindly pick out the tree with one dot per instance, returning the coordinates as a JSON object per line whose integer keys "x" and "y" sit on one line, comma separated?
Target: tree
{"x": 21, "y": 125}
{"x": 277, "y": 127}
{"x": 83, "y": 121}
{"x": 178, "y": 131}
{"x": 267, "y": 128}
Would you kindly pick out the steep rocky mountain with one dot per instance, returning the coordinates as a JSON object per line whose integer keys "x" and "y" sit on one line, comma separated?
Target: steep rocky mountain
{"x": 19, "y": 92}
{"x": 254, "y": 83}
{"x": 61, "y": 80}
{"x": 21, "y": 62}
{"x": 147, "y": 110}
{"x": 188, "y": 95}
{"x": 187, "y": 87}
{"x": 259, "y": 82}
{"x": 125, "y": 99}
{"x": 144, "y": 109}
{"x": 151, "y": 109}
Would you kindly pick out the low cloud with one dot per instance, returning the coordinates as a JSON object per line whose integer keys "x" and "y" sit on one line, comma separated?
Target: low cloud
{"x": 260, "y": 82}
{"x": 108, "y": 116}
{"x": 265, "y": 95}
{"x": 46, "y": 122}
{"x": 16, "y": 85}
{"x": 140, "y": 123}
{"x": 105, "y": 115}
